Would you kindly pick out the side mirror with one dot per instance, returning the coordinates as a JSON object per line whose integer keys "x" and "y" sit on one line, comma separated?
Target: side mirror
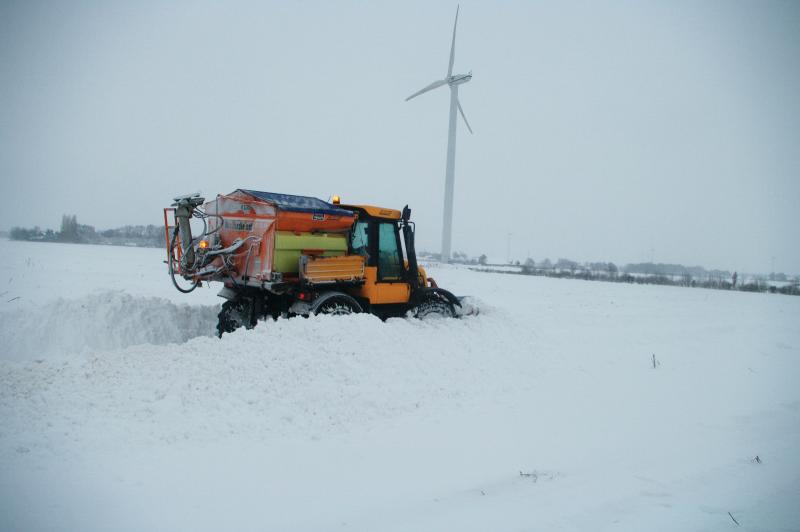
{"x": 406, "y": 214}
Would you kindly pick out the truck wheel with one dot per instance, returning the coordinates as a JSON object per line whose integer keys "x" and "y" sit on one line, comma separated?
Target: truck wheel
{"x": 231, "y": 317}
{"x": 335, "y": 304}
{"x": 434, "y": 305}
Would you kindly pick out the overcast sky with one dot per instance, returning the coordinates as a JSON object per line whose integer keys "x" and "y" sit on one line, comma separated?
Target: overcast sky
{"x": 603, "y": 131}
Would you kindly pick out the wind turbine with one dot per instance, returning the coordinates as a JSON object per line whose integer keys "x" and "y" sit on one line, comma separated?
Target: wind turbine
{"x": 453, "y": 81}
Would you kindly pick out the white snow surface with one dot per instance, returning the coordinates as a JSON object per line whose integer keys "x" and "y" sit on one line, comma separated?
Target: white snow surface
{"x": 119, "y": 409}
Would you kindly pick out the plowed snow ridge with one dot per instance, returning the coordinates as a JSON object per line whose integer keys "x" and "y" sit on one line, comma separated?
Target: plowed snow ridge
{"x": 302, "y": 376}
{"x": 102, "y": 321}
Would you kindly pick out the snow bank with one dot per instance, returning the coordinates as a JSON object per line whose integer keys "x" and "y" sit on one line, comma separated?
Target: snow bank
{"x": 102, "y": 321}
{"x": 292, "y": 376}
{"x": 117, "y": 413}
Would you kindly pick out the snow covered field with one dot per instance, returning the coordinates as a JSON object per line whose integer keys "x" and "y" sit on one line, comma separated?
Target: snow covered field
{"x": 119, "y": 411}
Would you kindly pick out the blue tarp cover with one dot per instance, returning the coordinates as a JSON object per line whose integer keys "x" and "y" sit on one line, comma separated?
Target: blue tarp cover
{"x": 290, "y": 202}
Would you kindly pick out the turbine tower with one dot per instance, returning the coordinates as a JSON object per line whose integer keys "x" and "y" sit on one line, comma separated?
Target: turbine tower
{"x": 453, "y": 81}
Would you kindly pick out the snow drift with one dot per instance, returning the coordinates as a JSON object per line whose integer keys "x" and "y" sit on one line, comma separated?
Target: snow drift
{"x": 101, "y": 321}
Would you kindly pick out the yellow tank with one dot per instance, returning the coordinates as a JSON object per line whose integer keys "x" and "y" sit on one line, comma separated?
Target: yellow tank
{"x": 289, "y": 246}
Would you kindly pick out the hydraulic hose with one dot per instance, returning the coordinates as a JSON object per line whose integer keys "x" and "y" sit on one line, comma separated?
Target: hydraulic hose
{"x": 173, "y": 240}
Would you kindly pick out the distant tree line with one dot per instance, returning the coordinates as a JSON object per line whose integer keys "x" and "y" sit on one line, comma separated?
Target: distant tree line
{"x": 649, "y": 268}
{"x": 650, "y": 273}
{"x": 73, "y": 232}
{"x": 458, "y": 257}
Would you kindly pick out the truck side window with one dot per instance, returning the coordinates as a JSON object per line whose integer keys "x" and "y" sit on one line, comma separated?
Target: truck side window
{"x": 360, "y": 239}
{"x": 389, "y": 265}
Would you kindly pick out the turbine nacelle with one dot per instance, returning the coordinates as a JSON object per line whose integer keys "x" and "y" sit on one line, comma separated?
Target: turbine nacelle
{"x": 458, "y": 79}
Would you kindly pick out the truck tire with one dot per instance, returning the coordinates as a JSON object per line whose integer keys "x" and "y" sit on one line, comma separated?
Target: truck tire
{"x": 434, "y": 305}
{"x": 233, "y": 315}
{"x": 335, "y": 304}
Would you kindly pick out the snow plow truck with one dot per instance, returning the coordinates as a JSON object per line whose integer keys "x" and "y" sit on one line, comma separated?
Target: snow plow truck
{"x": 286, "y": 255}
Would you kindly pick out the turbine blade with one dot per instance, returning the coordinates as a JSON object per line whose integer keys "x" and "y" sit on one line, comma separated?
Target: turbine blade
{"x": 430, "y": 87}
{"x": 453, "y": 46}
{"x": 460, "y": 110}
